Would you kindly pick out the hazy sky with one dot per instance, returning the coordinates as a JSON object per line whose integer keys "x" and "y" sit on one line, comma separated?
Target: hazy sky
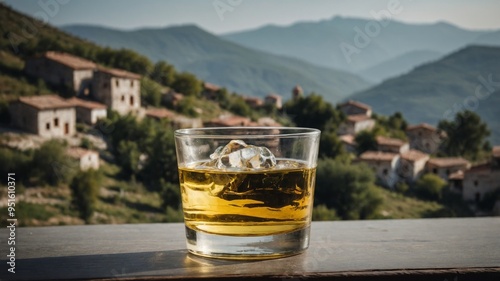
{"x": 220, "y": 16}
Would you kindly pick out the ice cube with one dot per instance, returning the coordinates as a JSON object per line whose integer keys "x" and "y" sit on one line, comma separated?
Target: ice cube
{"x": 238, "y": 154}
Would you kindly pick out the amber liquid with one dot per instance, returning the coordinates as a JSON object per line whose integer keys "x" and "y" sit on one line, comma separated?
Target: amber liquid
{"x": 248, "y": 203}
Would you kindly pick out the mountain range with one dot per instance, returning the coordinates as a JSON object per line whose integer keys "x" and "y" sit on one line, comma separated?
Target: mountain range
{"x": 466, "y": 79}
{"x": 216, "y": 60}
{"x": 359, "y": 45}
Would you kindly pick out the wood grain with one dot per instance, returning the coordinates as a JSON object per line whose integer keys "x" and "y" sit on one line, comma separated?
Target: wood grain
{"x": 424, "y": 249}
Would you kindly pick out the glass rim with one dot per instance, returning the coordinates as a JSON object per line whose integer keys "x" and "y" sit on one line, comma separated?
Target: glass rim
{"x": 205, "y": 132}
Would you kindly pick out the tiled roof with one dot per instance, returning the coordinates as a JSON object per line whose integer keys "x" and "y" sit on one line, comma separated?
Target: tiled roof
{"x": 348, "y": 139}
{"x": 458, "y": 175}
{"x": 232, "y": 121}
{"x": 390, "y": 141}
{"x": 119, "y": 73}
{"x": 357, "y": 118}
{"x": 211, "y": 87}
{"x": 377, "y": 156}
{"x": 78, "y": 152}
{"x": 496, "y": 151}
{"x": 86, "y": 103}
{"x": 356, "y": 104}
{"x": 160, "y": 113}
{"x": 46, "y": 102}
{"x": 414, "y": 155}
{"x": 421, "y": 126}
{"x": 448, "y": 161}
{"x": 70, "y": 60}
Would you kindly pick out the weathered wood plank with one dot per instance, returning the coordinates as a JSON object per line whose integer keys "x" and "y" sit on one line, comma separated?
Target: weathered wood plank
{"x": 352, "y": 250}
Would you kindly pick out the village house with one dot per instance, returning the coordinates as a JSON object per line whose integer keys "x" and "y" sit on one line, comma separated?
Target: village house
{"x": 274, "y": 100}
{"x": 355, "y": 124}
{"x": 355, "y": 108}
{"x": 47, "y": 116}
{"x": 444, "y": 167}
{"x": 412, "y": 165}
{"x": 120, "y": 90}
{"x": 87, "y": 159}
{"x": 482, "y": 179}
{"x": 386, "y": 144}
{"x": 88, "y": 111}
{"x": 297, "y": 92}
{"x": 63, "y": 69}
{"x": 384, "y": 164}
{"x": 253, "y": 102}
{"x": 424, "y": 137}
{"x": 210, "y": 91}
{"x": 171, "y": 97}
{"x": 349, "y": 142}
{"x": 456, "y": 181}
{"x": 177, "y": 121}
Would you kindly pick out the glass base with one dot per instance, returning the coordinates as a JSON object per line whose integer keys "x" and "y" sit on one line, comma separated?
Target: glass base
{"x": 253, "y": 247}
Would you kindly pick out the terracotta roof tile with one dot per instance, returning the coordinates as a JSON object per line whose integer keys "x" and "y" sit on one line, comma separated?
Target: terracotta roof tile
{"x": 119, "y": 73}
{"x": 448, "y": 161}
{"x": 160, "y": 113}
{"x": 211, "y": 87}
{"x": 86, "y": 103}
{"x": 356, "y": 104}
{"x": 46, "y": 102}
{"x": 390, "y": 141}
{"x": 70, "y": 60}
{"x": 422, "y": 126}
{"x": 414, "y": 155}
{"x": 377, "y": 156}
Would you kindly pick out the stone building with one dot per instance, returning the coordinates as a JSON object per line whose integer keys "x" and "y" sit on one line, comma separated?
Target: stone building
{"x": 210, "y": 91}
{"x": 274, "y": 100}
{"x": 297, "y": 92}
{"x": 87, "y": 159}
{"x": 384, "y": 164}
{"x": 253, "y": 102}
{"x": 349, "y": 142}
{"x": 446, "y": 166}
{"x": 48, "y": 116}
{"x": 88, "y": 111}
{"x": 392, "y": 145}
{"x": 120, "y": 90}
{"x": 424, "y": 137}
{"x": 355, "y": 124}
{"x": 62, "y": 69}
{"x": 482, "y": 179}
{"x": 412, "y": 165}
{"x": 355, "y": 108}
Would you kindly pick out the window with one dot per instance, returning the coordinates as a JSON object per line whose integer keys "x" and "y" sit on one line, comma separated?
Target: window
{"x": 385, "y": 172}
{"x": 47, "y": 126}
{"x": 132, "y": 83}
{"x": 123, "y": 97}
{"x": 56, "y": 122}
{"x": 104, "y": 85}
{"x": 478, "y": 197}
{"x": 131, "y": 100}
{"x": 117, "y": 83}
{"x": 476, "y": 183}
{"x": 435, "y": 171}
{"x": 447, "y": 172}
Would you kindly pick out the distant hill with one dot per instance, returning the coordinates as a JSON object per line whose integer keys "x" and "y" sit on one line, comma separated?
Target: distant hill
{"x": 320, "y": 42}
{"x": 238, "y": 68}
{"x": 399, "y": 65}
{"x": 432, "y": 91}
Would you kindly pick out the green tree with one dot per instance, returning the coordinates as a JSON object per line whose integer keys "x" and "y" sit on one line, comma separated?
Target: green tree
{"x": 163, "y": 73}
{"x": 322, "y": 213}
{"x": 349, "y": 189}
{"x": 313, "y": 112}
{"x": 430, "y": 187}
{"x": 366, "y": 140}
{"x": 161, "y": 158}
{"x": 330, "y": 145}
{"x": 51, "y": 165}
{"x": 127, "y": 157}
{"x": 466, "y": 135}
{"x": 151, "y": 92}
{"x": 187, "y": 84}
{"x": 85, "y": 190}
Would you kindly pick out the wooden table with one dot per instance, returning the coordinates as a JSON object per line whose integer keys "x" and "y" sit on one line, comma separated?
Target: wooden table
{"x": 424, "y": 249}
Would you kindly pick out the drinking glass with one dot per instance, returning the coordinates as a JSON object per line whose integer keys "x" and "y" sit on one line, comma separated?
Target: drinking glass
{"x": 247, "y": 192}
